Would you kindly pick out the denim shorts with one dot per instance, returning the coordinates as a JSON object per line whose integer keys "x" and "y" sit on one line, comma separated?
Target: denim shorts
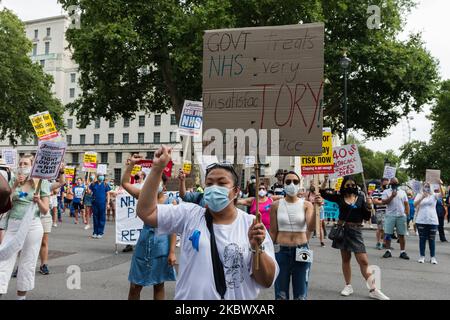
{"x": 399, "y": 222}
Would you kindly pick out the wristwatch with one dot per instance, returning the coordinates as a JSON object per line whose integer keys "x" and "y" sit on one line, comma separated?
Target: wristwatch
{"x": 261, "y": 249}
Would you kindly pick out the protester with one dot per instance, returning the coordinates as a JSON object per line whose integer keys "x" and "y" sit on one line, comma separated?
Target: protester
{"x": 68, "y": 198}
{"x": 264, "y": 204}
{"x": 412, "y": 210}
{"x": 77, "y": 203}
{"x": 250, "y": 189}
{"x": 54, "y": 207}
{"x": 291, "y": 218}
{"x": 111, "y": 209}
{"x": 278, "y": 187}
{"x": 23, "y": 200}
{"x": 87, "y": 203}
{"x": 154, "y": 258}
{"x": 218, "y": 243}
{"x": 397, "y": 211}
{"x": 440, "y": 209}
{"x": 427, "y": 221}
{"x": 380, "y": 212}
{"x": 100, "y": 198}
{"x": 192, "y": 197}
{"x": 353, "y": 209}
{"x": 5, "y": 195}
{"x": 310, "y": 196}
{"x": 448, "y": 205}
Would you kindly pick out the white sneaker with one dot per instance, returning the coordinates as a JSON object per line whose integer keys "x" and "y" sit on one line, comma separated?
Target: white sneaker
{"x": 407, "y": 233}
{"x": 94, "y": 236}
{"x": 55, "y": 225}
{"x": 377, "y": 294}
{"x": 99, "y": 236}
{"x": 86, "y": 227}
{"x": 421, "y": 260}
{"x": 433, "y": 260}
{"x": 348, "y": 290}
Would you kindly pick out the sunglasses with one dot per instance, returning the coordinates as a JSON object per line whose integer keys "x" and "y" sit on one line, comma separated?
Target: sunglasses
{"x": 289, "y": 181}
{"x": 262, "y": 188}
{"x": 350, "y": 186}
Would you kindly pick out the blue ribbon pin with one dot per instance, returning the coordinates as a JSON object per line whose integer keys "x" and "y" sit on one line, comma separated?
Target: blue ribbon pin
{"x": 22, "y": 194}
{"x": 195, "y": 238}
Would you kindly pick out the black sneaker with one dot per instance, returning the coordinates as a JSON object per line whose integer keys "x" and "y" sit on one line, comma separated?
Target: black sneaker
{"x": 14, "y": 274}
{"x": 387, "y": 254}
{"x": 44, "y": 269}
{"x": 403, "y": 255}
{"x": 128, "y": 248}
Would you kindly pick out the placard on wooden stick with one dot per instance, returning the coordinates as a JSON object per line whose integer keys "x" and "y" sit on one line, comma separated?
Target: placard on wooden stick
{"x": 266, "y": 78}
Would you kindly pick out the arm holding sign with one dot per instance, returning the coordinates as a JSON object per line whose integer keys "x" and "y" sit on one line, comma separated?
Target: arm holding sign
{"x": 125, "y": 182}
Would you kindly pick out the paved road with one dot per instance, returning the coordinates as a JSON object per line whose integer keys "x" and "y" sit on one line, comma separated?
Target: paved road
{"x": 104, "y": 274}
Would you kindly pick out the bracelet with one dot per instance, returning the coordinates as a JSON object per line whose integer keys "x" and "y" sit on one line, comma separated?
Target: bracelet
{"x": 261, "y": 249}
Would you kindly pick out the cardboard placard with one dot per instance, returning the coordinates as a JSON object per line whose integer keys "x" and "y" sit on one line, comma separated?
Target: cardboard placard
{"x": 44, "y": 126}
{"x": 48, "y": 160}
{"x": 128, "y": 224}
{"x": 10, "y": 157}
{"x": 102, "y": 169}
{"x": 266, "y": 78}
{"x": 323, "y": 163}
{"x": 416, "y": 186}
{"x": 331, "y": 210}
{"x": 389, "y": 172}
{"x": 90, "y": 161}
{"x": 433, "y": 176}
{"x": 346, "y": 161}
{"x": 191, "y": 118}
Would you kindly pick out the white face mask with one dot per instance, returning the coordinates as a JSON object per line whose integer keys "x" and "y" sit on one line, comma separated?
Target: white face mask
{"x": 262, "y": 193}
{"x": 292, "y": 189}
{"x": 25, "y": 171}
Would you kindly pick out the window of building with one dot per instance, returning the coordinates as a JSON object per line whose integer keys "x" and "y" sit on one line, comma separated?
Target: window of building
{"x": 117, "y": 175}
{"x": 156, "y": 137}
{"x": 141, "y": 137}
{"x": 118, "y": 157}
{"x": 72, "y": 92}
{"x": 110, "y": 138}
{"x": 104, "y": 157}
{"x": 69, "y": 123}
{"x": 97, "y": 123}
{"x": 47, "y": 47}
{"x": 48, "y": 32}
{"x": 75, "y": 158}
{"x": 112, "y": 123}
{"x": 36, "y": 33}
{"x": 126, "y": 122}
{"x": 34, "y": 49}
{"x": 42, "y": 63}
{"x": 96, "y": 138}
{"x": 173, "y": 119}
{"x": 35, "y": 141}
{"x": 82, "y": 139}
{"x": 73, "y": 77}
{"x": 141, "y": 121}
{"x": 150, "y": 155}
{"x": 69, "y": 139}
{"x": 157, "y": 119}
{"x": 126, "y": 138}
{"x": 173, "y": 137}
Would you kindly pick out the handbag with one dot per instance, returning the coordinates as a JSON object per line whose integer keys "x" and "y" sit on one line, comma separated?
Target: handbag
{"x": 337, "y": 231}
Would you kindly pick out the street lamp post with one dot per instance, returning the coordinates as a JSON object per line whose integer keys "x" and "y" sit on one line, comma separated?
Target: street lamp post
{"x": 345, "y": 65}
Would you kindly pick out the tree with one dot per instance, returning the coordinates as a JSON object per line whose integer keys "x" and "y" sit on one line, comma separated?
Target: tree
{"x": 420, "y": 155}
{"x": 136, "y": 55}
{"x": 24, "y": 87}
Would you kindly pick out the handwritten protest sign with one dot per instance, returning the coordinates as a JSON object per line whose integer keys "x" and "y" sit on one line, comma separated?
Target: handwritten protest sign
{"x": 90, "y": 161}
{"x": 416, "y": 186}
{"x": 389, "y": 172}
{"x": 48, "y": 160}
{"x": 346, "y": 161}
{"x": 10, "y": 157}
{"x": 266, "y": 78}
{"x": 191, "y": 118}
{"x": 323, "y": 163}
{"x": 102, "y": 169}
{"x": 44, "y": 126}
{"x": 128, "y": 224}
{"x": 433, "y": 176}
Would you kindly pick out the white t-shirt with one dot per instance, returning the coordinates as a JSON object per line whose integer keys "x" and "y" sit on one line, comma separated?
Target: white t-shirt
{"x": 195, "y": 280}
{"x": 427, "y": 210}
{"x": 397, "y": 206}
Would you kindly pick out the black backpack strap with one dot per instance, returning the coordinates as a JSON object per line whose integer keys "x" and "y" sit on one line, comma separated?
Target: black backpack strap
{"x": 219, "y": 274}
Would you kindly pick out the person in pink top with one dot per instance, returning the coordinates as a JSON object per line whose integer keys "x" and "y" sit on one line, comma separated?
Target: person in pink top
{"x": 264, "y": 204}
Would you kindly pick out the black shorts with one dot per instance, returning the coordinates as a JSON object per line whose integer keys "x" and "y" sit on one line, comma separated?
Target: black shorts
{"x": 77, "y": 206}
{"x": 67, "y": 201}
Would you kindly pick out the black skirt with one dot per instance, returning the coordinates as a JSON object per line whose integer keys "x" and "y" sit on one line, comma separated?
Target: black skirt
{"x": 353, "y": 240}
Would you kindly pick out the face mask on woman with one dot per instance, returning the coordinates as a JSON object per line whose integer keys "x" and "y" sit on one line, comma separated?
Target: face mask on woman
{"x": 262, "y": 193}
{"x": 101, "y": 178}
{"x": 24, "y": 171}
{"x": 291, "y": 189}
{"x": 92, "y": 178}
{"x": 427, "y": 189}
{"x": 216, "y": 198}
{"x": 350, "y": 190}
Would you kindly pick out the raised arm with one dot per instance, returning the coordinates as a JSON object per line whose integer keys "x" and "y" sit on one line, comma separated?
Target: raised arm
{"x": 125, "y": 181}
{"x": 147, "y": 205}
{"x": 182, "y": 183}
{"x": 245, "y": 202}
{"x": 61, "y": 181}
{"x": 310, "y": 216}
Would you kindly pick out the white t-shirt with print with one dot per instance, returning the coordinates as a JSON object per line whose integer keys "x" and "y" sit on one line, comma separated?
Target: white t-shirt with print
{"x": 397, "y": 206}
{"x": 195, "y": 280}
{"x": 427, "y": 210}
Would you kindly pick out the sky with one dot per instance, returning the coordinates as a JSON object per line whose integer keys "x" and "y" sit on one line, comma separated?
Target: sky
{"x": 430, "y": 17}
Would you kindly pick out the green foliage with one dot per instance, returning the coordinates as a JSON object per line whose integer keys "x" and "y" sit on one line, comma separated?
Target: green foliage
{"x": 118, "y": 38}
{"x": 24, "y": 87}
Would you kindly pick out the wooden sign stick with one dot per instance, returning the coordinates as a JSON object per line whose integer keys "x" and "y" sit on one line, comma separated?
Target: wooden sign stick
{"x": 38, "y": 188}
{"x": 317, "y": 206}
{"x": 257, "y": 213}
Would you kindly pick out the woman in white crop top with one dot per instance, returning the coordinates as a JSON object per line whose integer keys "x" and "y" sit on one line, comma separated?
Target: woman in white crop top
{"x": 291, "y": 218}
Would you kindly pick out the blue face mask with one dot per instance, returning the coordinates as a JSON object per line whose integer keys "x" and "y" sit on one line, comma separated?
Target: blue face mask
{"x": 101, "y": 178}
{"x": 217, "y": 198}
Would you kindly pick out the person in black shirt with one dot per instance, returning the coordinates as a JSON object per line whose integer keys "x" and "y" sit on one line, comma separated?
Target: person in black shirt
{"x": 353, "y": 209}
{"x": 278, "y": 187}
